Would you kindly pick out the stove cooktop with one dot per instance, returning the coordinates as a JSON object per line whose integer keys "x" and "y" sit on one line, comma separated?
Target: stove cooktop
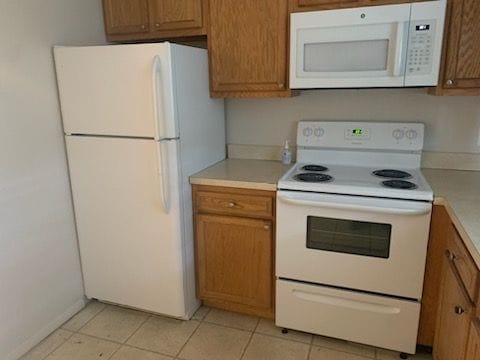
{"x": 408, "y": 184}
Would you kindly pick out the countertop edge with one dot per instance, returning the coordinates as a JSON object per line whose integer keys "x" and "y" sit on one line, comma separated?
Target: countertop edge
{"x": 472, "y": 249}
{"x": 234, "y": 184}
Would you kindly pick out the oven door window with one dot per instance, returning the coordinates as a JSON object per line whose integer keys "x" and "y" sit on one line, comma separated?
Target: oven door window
{"x": 349, "y": 237}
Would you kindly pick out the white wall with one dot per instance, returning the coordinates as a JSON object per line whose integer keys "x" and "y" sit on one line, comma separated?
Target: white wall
{"x": 452, "y": 123}
{"x": 40, "y": 277}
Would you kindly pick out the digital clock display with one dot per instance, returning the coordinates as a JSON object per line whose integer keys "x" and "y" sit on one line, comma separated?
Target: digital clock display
{"x": 357, "y": 131}
{"x": 423, "y": 27}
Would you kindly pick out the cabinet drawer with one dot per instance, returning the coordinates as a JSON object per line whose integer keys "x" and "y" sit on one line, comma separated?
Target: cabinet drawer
{"x": 464, "y": 264}
{"x": 234, "y": 204}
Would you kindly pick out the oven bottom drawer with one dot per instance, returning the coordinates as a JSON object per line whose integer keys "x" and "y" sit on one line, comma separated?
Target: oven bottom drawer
{"x": 368, "y": 319}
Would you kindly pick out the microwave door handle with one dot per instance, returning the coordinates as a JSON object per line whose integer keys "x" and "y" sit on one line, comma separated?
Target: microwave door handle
{"x": 399, "y": 48}
{"x": 156, "y": 86}
{"x": 365, "y": 208}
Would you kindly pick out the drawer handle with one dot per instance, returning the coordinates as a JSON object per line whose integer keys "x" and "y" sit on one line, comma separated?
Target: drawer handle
{"x": 459, "y": 310}
{"x": 231, "y": 205}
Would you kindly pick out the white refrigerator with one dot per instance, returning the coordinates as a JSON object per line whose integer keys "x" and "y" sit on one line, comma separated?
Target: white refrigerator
{"x": 138, "y": 121}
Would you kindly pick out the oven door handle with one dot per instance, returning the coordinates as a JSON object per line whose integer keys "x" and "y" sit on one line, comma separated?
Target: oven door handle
{"x": 423, "y": 209}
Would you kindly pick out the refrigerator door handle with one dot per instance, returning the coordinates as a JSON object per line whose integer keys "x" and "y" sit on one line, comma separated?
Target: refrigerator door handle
{"x": 163, "y": 173}
{"x": 156, "y": 86}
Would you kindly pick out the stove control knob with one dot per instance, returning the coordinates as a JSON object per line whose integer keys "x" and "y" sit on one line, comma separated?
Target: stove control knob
{"x": 411, "y": 134}
{"x": 307, "y": 132}
{"x": 398, "y": 134}
{"x": 319, "y": 132}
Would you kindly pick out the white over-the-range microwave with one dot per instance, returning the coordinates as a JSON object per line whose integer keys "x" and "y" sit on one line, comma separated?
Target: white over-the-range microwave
{"x": 378, "y": 46}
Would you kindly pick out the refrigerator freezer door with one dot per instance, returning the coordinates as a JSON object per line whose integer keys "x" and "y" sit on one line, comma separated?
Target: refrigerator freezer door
{"x": 117, "y": 90}
{"x": 130, "y": 246}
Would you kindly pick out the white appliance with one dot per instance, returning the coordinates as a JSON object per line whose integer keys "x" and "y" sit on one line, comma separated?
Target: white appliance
{"x": 377, "y": 46}
{"x": 353, "y": 218}
{"x": 138, "y": 121}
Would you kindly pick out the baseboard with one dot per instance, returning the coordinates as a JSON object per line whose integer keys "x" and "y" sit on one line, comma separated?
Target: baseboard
{"x": 46, "y": 330}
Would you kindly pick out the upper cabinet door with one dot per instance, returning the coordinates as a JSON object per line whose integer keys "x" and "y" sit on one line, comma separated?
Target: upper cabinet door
{"x": 462, "y": 53}
{"x": 126, "y": 16}
{"x": 176, "y": 14}
{"x": 248, "y": 47}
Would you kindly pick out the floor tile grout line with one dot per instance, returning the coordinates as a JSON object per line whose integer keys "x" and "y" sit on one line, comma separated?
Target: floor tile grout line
{"x": 72, "y": 333}
{"x": 133, "y": 333}
{"x": 186, "y": 342}
{"x": 93, "y": 317}
{"x": 229, "y": 326}
{"x": 247, "y": 345}
{"x": 54, "y": 349}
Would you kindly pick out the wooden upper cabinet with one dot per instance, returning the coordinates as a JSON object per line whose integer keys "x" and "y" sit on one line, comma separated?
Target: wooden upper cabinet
{"x": 134, "y": 20}
{"x": 460, "y": 73}
{"x": 168, "y": 15}
{"x": 248, "y": 42}
{"x": 126, "y": 16}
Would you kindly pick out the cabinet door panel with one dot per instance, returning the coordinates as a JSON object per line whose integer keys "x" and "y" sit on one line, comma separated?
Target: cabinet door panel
{"x": 441, "y": 232}
{"x": 473, "y": 349}
{"x": 125, "y": 16}
{"x": 234, "y": 260}
{"x": 176, "y": 14}
{"x": 462, "y": 64}
{"x": 453, "y": 319}
{"x": 248, "y": 45}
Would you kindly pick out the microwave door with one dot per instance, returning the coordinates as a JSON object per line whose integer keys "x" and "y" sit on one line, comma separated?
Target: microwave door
{"x": 360, "y": 47}
{"x": 357, "y": 56}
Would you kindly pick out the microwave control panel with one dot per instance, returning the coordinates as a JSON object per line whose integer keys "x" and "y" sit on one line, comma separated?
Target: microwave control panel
{"x": 420, "y": 47}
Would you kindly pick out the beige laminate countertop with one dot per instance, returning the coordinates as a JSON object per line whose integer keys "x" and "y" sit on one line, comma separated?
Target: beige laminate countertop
{"x": 459, "y": 191}
{"x": 240, "y": 173}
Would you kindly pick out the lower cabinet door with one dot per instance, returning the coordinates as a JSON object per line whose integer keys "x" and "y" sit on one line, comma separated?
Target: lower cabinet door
{"x": 473, "y": 349}
{"x": 453, "y": 321}
{"x": 234, "y": 263}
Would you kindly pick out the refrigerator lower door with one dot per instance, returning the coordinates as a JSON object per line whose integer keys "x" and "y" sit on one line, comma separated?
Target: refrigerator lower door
{"x": 129, "y": 221}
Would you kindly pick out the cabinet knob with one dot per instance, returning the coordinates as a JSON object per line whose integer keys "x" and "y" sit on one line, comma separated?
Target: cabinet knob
{"x": 157, "y": 25}
{"x": 266, "y": 227}
{"x": 231, "y": 205}
{"x": 451, "y": 256}
{"x": 281, "y": 86}
{"x": 459, "y": 310}
{"x": 144, "y": 27}
{"x": 449, "y": 82}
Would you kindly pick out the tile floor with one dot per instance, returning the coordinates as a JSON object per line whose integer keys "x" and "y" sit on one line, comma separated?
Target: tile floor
{"x": 109, "y": 332}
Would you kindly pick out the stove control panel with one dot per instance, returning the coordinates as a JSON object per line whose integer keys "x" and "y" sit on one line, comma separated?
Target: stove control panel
{"x": 361, "y": 135}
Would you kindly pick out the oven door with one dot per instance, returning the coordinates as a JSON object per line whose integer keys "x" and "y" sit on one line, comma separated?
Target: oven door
{"x": 370, "y": 244}
{"x": 362, "y": 47}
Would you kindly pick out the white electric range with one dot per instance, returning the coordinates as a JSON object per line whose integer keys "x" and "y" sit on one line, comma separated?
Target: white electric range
{"x": 353, "y": 219}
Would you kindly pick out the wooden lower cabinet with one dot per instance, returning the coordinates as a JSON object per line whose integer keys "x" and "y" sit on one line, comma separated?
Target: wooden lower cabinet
{"x": 453, "y": 323}
{"x": 473, "y": 347}
{"x": 441, "y": 231}
{"x": 234, "y": 254}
